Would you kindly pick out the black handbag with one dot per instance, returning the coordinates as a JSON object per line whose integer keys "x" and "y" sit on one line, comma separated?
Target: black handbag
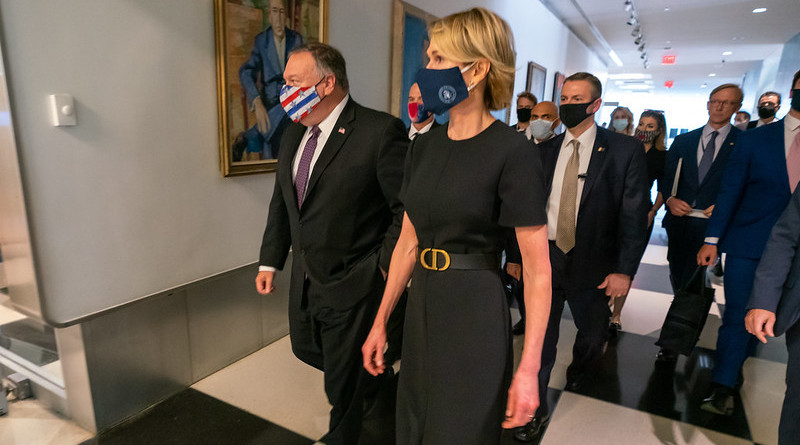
{"x": 687, "y": 315}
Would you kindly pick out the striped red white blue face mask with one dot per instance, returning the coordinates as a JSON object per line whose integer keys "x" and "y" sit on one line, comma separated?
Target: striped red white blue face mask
{"x": 299, "y": 102}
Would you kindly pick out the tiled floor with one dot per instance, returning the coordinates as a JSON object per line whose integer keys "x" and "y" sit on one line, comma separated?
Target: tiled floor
{"x": 271, "y": 397}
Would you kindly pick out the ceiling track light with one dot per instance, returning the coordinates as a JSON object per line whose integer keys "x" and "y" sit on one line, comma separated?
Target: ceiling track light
{"x": 641, "y": 47}
{"x": 637, "y": 40}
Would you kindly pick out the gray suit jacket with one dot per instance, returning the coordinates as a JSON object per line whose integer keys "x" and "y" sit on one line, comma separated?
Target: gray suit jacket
{"x": 776, "y": 286}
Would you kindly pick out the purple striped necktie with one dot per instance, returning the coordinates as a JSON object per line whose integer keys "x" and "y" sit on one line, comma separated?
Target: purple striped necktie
{"x": 301, "y": 179}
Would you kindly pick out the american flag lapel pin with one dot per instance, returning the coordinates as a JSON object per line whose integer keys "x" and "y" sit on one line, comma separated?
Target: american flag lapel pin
{"x": 341, "y": 130}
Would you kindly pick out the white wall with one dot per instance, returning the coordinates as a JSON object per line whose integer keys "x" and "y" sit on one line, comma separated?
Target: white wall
{"x": 131, "y": 202}
{"x": 539, "y": 37}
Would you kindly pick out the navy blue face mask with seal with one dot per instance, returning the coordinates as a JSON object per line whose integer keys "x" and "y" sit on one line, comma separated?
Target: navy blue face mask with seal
{"x": 796, "y": 99}
{"x": 442, "y": 89}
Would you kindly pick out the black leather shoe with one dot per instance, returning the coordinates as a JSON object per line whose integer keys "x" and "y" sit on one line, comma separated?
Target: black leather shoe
{"x": 614, "y": 328}
{"x": 518, "y": 328}
{"x": 532, "y": 431}
{"x": 666, "y": 356}
{"x": 719, "y": 402}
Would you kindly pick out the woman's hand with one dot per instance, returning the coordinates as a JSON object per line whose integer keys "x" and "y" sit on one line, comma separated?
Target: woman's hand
{"x": 523, "y": 399}
{"x": 373, "y": 349}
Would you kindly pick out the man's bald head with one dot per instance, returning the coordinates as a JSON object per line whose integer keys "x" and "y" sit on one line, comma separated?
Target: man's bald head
{"x": 545, "y": 110}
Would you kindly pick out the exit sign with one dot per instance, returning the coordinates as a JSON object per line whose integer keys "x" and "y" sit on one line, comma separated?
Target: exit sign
{"x": 668, "y": 60}
{"x": 668, "y": 83}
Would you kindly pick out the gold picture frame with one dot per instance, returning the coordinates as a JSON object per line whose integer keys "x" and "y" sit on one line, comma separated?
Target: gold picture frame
{"x": 249, "y": 75}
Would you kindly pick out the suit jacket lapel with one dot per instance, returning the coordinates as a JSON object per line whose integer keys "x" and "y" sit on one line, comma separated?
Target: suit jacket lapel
{"x": 596, "y": 162}
{"x": 334, "y": 143}
{"x": 550, "y": 158}
{"x": 722, "y": 156}
{"x": 689, "y": 166}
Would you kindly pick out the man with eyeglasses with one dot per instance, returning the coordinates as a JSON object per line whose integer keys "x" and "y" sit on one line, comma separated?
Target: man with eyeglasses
{"x": 692, "y": 177}
{"x": 763, "y": 171}
{"x": 261, "y": 77}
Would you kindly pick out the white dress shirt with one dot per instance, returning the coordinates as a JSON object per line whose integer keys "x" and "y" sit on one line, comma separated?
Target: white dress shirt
{"x": 586, "y": 141}
{"x": 413, "y": 132}
{"x": 705, "y": 139}
{"x": 325, "y": 127}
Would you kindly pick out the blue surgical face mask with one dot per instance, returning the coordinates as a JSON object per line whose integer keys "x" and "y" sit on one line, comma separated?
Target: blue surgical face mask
{"x": 442, "y": 89}
{"x": 541, "y": 129}
{"x": 619, "y": 124}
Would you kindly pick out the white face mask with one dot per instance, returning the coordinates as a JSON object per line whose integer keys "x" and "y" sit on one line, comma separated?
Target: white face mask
{"x": 541, "y": 129}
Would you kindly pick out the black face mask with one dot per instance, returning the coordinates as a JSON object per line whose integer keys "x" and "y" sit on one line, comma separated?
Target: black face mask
{"x": 573, "y": 114}
{"x": 796, "y": 99}
{"x": 523, "y": 114}
{"x": 767, "y": 111}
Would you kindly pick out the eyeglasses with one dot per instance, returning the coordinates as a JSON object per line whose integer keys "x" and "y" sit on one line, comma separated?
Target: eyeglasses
{"x": 725, "y": 103}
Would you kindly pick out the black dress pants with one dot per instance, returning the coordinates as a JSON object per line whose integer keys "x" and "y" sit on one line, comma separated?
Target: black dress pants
{"x": 590, "y": 313}
{"x": 789, "y": 430}
{"x": 330, "y": 340}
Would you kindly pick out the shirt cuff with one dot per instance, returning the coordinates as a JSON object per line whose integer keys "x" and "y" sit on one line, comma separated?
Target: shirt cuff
{"x": 711, "y": 240}
{"x": 266, "y": 269}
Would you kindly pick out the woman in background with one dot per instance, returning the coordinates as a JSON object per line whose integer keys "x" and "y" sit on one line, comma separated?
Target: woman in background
{"x": 465, "y": 184}
{"x": 652, "y": 131}
{"x": 621, "y": 121}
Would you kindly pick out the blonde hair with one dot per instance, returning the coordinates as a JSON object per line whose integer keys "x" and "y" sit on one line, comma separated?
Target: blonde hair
{"x": 467, "y": 36}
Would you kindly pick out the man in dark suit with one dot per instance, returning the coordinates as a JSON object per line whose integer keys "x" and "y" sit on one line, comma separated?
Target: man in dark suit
{"x": 768, "y": 105}
{"x": 336, "y": 205}
{"x": 421, "y": 121}
{"x": 261, "y": 77}
{"x": 761, "y": 173}
{"x": 774, "y": 308}
{"x": 597, "y": 226}
{"x": 701, "y": 155}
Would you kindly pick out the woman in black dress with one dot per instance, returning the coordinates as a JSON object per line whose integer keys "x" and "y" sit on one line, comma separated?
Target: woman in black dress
{"x": 652, "y": 131}
{"x": 465, "y": 185}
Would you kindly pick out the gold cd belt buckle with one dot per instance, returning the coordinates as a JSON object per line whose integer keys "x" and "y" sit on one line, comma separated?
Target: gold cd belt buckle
{"x": 434, "y": 259}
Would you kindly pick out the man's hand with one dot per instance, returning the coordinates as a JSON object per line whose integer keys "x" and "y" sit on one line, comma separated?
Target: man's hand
{"x": 514, "y": 270}
{"x": 760, "y": 323}
{"x": 651, "y": 216}
{"x": 708, "y": 211}
{"x": 707, "y": 255}
{"x": 616, "y": 285}
{"x": 264, "y": 282}
{"x": 262, "y": 118}
{"x": 678, "y": 207}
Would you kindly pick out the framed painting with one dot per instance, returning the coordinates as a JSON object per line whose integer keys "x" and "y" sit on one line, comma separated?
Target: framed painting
{"x": 558, "y": 83}
{"x": 409, "y": 46}
{"x": 536, "y": 80}
{"x": 248, "y": 35}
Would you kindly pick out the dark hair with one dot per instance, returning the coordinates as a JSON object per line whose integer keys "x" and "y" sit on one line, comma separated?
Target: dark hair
{"x": 528, "y": 95}
{"x": 770, "y": 93}
{"x": 796, "y": 78}
{"x": 597, "y": 87}
{"x": 725, "y": 86}
{"x": 660, "y": 143}
{"x": 328, "y": 60}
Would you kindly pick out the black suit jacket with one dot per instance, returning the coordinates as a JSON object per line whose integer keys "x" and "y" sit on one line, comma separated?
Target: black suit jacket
{"x": 611, "y": 231}
{"x": 776, "y": 286}
{"x": 351, "y": 215}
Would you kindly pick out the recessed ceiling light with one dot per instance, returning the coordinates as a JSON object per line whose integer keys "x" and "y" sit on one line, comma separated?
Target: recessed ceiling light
{"x": 759, "y": 10}
{"x": 666, "y": 9}
{"x": 712, "y": 75}
{"x": 727, "y": 53}
{"x": 703, "y": 86}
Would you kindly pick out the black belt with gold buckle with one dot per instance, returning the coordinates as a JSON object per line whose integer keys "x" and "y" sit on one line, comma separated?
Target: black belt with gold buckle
{"x": 441, "y": 260}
